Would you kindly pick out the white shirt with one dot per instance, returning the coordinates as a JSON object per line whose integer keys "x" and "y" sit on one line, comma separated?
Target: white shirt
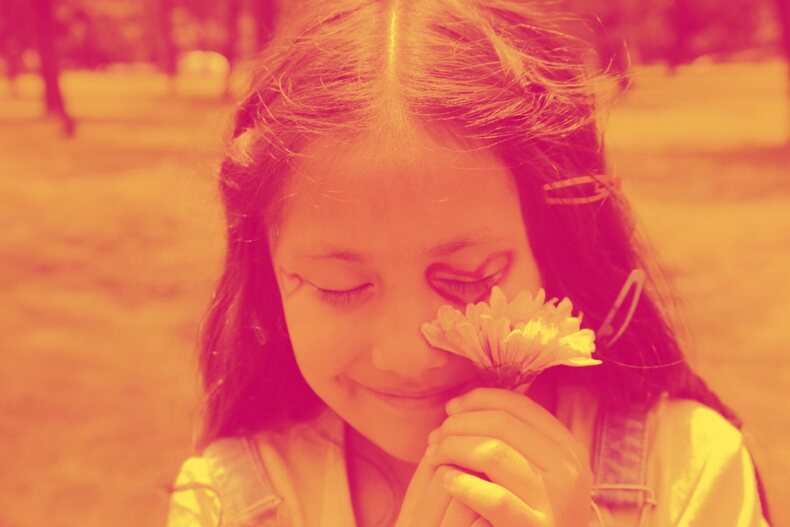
{"x": 698, "y": 468}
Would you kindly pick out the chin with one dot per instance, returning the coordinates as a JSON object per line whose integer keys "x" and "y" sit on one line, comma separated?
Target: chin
{"x": 401, "y": 433}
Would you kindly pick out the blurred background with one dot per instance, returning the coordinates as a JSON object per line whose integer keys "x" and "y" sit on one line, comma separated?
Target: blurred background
{"x": 112, "y": 114}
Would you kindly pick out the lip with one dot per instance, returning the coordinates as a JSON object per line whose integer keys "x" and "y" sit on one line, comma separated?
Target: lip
{"x": 435, "y": 397}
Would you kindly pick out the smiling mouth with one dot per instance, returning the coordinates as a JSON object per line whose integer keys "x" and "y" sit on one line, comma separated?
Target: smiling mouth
{"x": 429, "y": 398}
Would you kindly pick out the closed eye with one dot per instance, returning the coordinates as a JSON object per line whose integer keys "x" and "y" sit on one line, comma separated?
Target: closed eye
{"x": 465, "y": 287}
{"x": 340, "y": 297}
{"x": 458, "y": 287}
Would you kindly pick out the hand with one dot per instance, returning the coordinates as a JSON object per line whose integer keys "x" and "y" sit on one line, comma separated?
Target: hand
{"x": 428, "y": 504}
{"x": 538, "y": 474}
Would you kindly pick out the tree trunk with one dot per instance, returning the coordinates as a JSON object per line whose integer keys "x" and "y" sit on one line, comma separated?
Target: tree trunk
{"x": 681, "y": 24}
{"x": 167, "y": 47}
{"x": 232, "y": 21}
{"x": 783, "y": 16}
{"x": 46, "y": 35}
{"x": 265, "y": 14}
{"x": 10, "y": 47}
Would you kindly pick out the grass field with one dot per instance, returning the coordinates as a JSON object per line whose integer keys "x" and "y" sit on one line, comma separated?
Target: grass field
{"x": 111, "y": 242}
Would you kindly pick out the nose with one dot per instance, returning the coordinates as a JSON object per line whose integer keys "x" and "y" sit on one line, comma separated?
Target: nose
{"x": 411, "y": 363}
{"x": 400, "y": 347}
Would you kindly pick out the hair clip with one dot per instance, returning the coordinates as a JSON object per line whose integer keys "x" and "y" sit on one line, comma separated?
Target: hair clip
{"x": 603, "y": 184}
{"x": 636, "y": 279}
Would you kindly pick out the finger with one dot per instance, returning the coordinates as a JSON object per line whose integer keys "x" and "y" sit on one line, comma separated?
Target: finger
{"x": 500, "y": 462}
{"x": 521, "y": 407}
{"x": 458, "y": 515}
{"x": 493, "y": 502}
{"x": 497, "y": 424}
{"x": 434, "y": 502}
{"x": 417, "y": 487}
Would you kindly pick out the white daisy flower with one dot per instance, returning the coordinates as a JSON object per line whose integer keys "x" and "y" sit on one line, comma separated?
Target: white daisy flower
{"x": 512, "y": 342}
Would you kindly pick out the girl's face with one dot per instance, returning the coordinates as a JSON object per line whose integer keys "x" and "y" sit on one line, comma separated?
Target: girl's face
{"x": 367, "y": 252}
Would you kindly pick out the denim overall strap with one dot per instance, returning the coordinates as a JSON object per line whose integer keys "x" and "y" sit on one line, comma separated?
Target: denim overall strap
{"x": 241, "y": 481}
{"x": 619, "y": 460}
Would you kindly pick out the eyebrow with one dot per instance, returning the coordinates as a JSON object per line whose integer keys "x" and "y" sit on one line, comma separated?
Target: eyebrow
{"x": 441, "y": 250}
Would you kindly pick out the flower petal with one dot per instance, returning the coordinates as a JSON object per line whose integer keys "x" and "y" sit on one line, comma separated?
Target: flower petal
{"x": 436, "y": 337}
{"x": 472, "y": 345}
{"x": 513, "y": 342}
{"x": 582, "y": 341}
{"x": 498, "y": 302}
{"x": 448, "y": 317}
{"x": 524, "y": 306}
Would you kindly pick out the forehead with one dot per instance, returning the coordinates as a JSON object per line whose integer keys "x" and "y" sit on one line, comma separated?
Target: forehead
{"x": 384, "y": 196}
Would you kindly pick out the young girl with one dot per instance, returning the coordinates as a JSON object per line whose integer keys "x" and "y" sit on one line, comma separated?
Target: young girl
{"x": 394, "y": 156}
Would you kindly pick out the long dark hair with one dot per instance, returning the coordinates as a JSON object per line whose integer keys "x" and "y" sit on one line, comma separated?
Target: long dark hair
{"x": 498, "y": 73}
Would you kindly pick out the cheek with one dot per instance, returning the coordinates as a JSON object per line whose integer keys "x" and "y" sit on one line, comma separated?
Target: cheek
{"x": 525, "y": 274}
{"x": 323, "y": 346}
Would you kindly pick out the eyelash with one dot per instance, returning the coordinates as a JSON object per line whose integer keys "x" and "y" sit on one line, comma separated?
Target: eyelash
{"x": 339, "y": 297}
{"x": 458, "y": 286}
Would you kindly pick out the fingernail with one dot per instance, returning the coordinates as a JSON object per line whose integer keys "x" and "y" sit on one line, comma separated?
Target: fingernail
{"x": 453, "y": 406}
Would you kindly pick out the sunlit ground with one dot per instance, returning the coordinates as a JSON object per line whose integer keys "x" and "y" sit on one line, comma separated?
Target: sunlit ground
{"x": 111, "y": 241}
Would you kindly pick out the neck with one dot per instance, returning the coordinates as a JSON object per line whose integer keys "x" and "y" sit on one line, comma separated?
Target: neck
{"x": 377, "y": 481}
{"x": 361, "y": 452}
{"x": 374, "y": 475}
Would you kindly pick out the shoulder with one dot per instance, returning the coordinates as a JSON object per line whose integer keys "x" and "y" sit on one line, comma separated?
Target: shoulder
{"x": 194, "y": 500}
{"x": 698, "y": 432}
{"x": 700, "y": 467}
{"x": 226, "y": 484}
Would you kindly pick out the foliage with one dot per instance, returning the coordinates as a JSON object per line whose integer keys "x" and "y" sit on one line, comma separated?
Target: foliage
{"x": 680, "y": 30}
{"x": 93, "y": 33}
